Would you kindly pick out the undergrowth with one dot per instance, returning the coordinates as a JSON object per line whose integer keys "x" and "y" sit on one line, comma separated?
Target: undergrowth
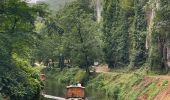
{"x": 1, "y": 97}
{"x": 68, "y": 76}
{"x": 116, "y": 85}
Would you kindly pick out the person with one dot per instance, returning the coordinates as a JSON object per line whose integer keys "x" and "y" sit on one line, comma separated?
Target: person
{"x": 79, "y": 84}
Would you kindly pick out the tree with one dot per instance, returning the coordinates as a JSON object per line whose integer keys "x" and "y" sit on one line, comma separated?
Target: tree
{"x": 115, "y": 34}
{"x": 159, "y": 42}
{"x": 138, "y": 35}
{"x": 18, "y": 79}
{"x": 81, "y": 45}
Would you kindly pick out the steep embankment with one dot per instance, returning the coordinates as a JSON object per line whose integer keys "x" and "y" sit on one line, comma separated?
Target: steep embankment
{"x": 148, "y": 88}
{"x": 120, "y": 85}
{"x": 156, "y": 88}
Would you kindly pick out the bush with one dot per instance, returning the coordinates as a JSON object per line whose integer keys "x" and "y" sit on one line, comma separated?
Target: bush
{"x": 68, "y": 75}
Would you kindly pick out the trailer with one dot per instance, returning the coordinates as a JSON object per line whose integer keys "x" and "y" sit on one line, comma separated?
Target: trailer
{"x": 75, "y": 92}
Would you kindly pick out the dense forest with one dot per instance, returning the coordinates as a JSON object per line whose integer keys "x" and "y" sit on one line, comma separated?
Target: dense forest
{"x": 55, "y": 5}
{"x": 128, "y": 34}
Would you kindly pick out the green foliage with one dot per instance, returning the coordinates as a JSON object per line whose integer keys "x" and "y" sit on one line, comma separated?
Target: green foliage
{"x": 124, "y": 28}
{"x": 56, "y": 5}
{"x": 152, "y": 90}
{"x": 18, "y": 80}
{"x": 165, "y": 83}
{"x": 125, "y": 25}
{"x": 138, "y": 36}
{"x": 1, "y": 97}
{"x": 68, "y": 76}
{"x": 81, "y": 74}
{"x": 115, "y": 34}
{"x": 28, "y": 33}
{"x": 73, "y": 34}
{"x": 81, "y": 42}
{"x": 127, "y": 4}
{"x": 159, "y": 36}
{"x": 122, "y": 86}
{"x": 115, "y": 85}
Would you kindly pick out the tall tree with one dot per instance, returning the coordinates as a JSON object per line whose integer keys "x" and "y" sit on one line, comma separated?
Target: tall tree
{"x": 18, "y": 80}
{"x": 115, "y": 34}
{"x": 80, "y": 29}
{"x": 159, "y": 35}
{"x": 138, "y": 34}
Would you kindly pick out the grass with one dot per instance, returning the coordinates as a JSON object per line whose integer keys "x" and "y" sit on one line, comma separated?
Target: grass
{"x": 151, "y": 90}
{"x": 1, "y": 97}
{"x": 118, "y": 85}
{"x": 68, "y": 76}
{"x": 164, "y": 83}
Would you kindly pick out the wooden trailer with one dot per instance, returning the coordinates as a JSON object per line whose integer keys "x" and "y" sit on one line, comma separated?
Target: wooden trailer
{"x": 75, "y": 92}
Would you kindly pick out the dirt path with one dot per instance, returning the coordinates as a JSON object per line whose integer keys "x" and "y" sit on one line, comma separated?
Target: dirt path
{"x": 102, "y": 69}
{"x": 163, "y": 94}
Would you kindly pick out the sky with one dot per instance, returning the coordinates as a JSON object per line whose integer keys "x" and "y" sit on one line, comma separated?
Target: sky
{"x": 33, "y": 1}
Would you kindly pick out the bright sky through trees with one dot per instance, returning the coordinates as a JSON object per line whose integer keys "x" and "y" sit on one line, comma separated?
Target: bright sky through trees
{"x": 32, "y": 1}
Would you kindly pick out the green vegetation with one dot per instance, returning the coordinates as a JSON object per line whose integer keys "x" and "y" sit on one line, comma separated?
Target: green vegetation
{"x": 124, "y": 32}
{"x": 73, "y": 36}
{"x": 18, "y": 80}
{"x": 133, "y": 35}
{"x": 159, "y": 36}
{"x": 55, "y": 5}
{"x": 152, "y": 89}
{"x": 117, "y": 85}
{"x": 1, "y": 97}
{"x": 68, "y": 76}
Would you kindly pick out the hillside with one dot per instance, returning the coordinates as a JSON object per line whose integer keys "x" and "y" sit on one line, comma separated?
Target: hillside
{"x": 117, "y": 85}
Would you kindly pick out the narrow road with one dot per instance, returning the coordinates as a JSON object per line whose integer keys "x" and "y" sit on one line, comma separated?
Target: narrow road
{"x": 102, "y": 69}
